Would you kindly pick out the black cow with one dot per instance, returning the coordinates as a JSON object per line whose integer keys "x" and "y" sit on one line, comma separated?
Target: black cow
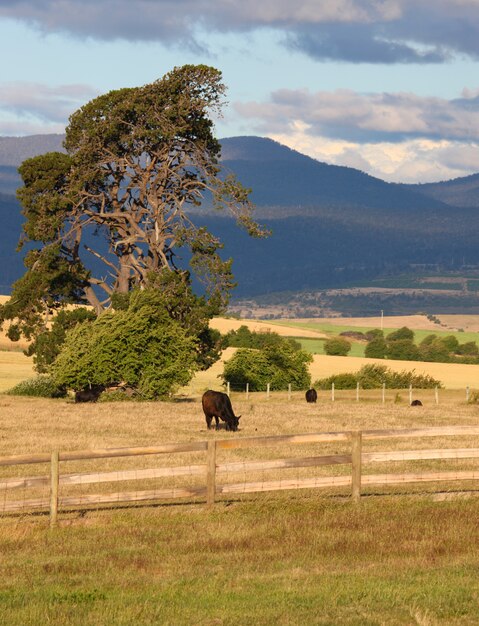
{"x": 90, "y": 394}
{"x": 416, "y": 403}
{"x": 218, "y": 405}
{"x": 311, "y": 395}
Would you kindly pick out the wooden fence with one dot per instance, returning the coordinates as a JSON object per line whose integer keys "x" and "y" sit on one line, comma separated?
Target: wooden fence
{"x": 210, "y": 470}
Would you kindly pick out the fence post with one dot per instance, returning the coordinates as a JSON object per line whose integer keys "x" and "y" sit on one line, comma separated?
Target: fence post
{"x": 211, "y": 473}
{"x": 289, "y": 391}
{"x": 228, "y": 389}
{"x": 383, "y": 393}
{"x": 332, "y": 392}
{"x": 356, "y": 445}
{"x": 247, "y": 391}
{"x": 357, "y": 392}
{"x": 436, "y": 395}
{"x": 467, "y": 393}
{"x": 410, "y": 394}
{"x": 267, "y": 391}
{"x": 54, "y": 481}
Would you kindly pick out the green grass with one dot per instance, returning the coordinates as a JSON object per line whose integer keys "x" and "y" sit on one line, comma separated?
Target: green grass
{"x": 298, "y": 559}
{"x": 316, "y": 346}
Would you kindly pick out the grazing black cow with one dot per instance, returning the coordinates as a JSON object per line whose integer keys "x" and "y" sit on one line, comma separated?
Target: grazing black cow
{"x": 311, "y": 395}
{"x": 218, "y": 405}
{"x": 416, "y": 403}
{"x": 91, "y": 394}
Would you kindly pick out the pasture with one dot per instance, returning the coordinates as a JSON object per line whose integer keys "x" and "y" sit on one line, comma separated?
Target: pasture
{"x": 309, "y": 556}
{"x": 402, "y": 555}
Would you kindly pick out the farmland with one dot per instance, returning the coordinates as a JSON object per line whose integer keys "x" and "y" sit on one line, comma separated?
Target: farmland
{"x": 297, "y": 557}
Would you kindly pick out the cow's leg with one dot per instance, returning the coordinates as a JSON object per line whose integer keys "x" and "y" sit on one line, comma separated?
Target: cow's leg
{"x": 208, "y": 420}
{"x": 217, "y": 422}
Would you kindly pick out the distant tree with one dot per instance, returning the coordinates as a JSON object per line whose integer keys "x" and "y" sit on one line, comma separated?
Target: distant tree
{"x": 376, "y": 348}
{"x": 451, "y": 342}
{"x": 468, "y": 349}
{"x": 374, "y": 333}
{"x": 402, "y": 349}
{"x": 337, "y": 346}
{"x": 435, "y": 351}
{"x": 246, "y": 338}
{"x": 401, "y": 333}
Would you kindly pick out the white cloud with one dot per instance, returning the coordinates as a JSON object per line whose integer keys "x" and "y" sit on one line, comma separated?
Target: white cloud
{"x": 26, "y": 106}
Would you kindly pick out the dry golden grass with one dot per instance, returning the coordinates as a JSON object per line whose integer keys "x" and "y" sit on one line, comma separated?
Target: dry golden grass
{"x": 224, "y": 325}
{"x": 14, "y": 368}
{"x": 414, "y": 322}
{"x": 451, "y": 375}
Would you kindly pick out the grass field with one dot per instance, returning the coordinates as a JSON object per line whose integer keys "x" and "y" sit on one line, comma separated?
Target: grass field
{"x": 305, "y": 557}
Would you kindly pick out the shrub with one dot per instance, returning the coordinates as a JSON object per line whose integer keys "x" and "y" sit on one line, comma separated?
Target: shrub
{"x": 341, "y": 381}
{"x": 141, "y": 346}
{"x": 39, "y": 387}
{"x": 374, "y": 376}
{"x": 279, "y": 365}
{"x": 337, "y": 346}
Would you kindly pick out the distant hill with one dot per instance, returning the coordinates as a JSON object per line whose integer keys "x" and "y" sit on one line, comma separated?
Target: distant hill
{"x": 332, "y": 226}
{"x": 290, "y": 182}
{"x": 462, "y": 192}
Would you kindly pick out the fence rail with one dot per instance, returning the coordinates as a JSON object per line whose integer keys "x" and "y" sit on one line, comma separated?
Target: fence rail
{"x": 211, "y": 470}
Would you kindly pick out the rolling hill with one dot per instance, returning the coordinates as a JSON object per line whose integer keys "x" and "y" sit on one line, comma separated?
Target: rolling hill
{"x": 331, "y": 226}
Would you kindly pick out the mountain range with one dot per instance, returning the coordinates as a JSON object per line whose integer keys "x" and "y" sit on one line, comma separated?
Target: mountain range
{"x": 331, "y": 226}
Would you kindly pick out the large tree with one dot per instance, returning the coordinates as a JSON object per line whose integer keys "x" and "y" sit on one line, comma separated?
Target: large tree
{"x": 137, "y": 160}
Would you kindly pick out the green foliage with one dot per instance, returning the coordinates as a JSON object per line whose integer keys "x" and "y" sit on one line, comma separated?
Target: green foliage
{"x": 401, "y": 333}
{"x": 402, "y": 350}
{"x": 468, "y": 349}
{"x": 374, "y": 376}
{"x": 47, "y": 345}
{"x": 245, "y": 338}
{"x": 141, "y": 346}
{"x": 39, "y": 387}
{"x": 137, "y": 159}
{"x": 279, "y": 365}
{"x": 337, "y": 346}
{"x": 376, "y": 348}
{"x": 435, "y": 350}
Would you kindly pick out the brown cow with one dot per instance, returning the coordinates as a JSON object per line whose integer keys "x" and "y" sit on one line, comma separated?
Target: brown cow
{"x": 90, "y": 394}
{"x": 218, "y": 405}
{"x": 311, "y": 395}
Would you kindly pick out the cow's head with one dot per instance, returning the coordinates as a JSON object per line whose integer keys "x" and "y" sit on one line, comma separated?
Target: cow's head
{"x": 234, "y": 423}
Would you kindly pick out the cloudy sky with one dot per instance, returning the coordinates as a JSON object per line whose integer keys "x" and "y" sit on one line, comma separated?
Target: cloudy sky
{"x": 387, "y": 86}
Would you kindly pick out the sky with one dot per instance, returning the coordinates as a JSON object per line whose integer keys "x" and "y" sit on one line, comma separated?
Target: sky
{"x": 390, "y": 87}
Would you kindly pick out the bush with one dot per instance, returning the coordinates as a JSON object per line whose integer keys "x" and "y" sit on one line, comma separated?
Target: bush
{"x": 341, "y": 381}
{"x": 278, "y": 365}
{"x": 141, "y": 346}
{"x": 39, "y": 387}
{"x": 374, "y": 376}
{"x": 337, "y": 346}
